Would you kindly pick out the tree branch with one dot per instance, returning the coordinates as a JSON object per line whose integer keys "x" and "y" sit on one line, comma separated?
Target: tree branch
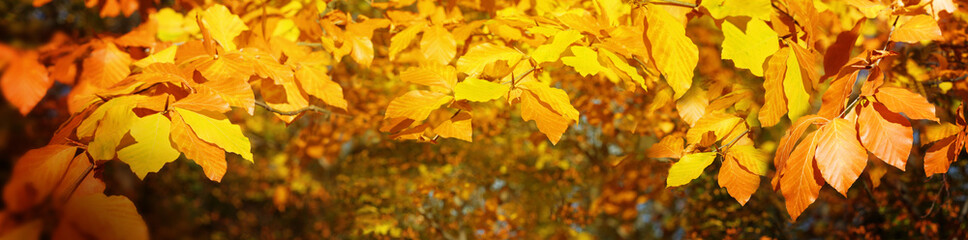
{"x": 325, "y": 112}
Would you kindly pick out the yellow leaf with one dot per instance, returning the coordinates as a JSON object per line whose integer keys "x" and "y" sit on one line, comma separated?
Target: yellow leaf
{"x": 750, "y": 158}
{"x": 316, "y": 83}
{"x": 478, "y": 57}
{"x": 286, "y": 28}
{"x": 675, "y": 54}
{"x": 438, "y": 45}
{"x": 416, "y": 104}
{"x": 798, "y": 100}
{"x": 478, "y": 90}
{"x": 458, "y": 127}
{"x": 402, "y": 39}
{"x": 556, "y": 98}
{"x": 433, "y": 75}
{"x": 692, "y": 105}
{"x": 614, "y": 9}
{"x": 220, "y": 132}
{"x": 917, "y": 29}
{"x": 112, "y": 123}
{"x": 756, "y": 9}
{"x": 210, "y": 157}
{"x": 153, "y": 148}
{"x": 169, "y": 25}
{"x": 867, "y": 7}
{"x": 585, "y": 61}
{"x": 223, "y": 25}
{"x": 689, "y": 167}
{"x": 721, "y": 124}
{"x": 164, "y": 56}
{"x": 548, "y": 122}
{"x": 550, "y": 52}
{"x": 749, "y": 50}
{"x": 624, "y": 66}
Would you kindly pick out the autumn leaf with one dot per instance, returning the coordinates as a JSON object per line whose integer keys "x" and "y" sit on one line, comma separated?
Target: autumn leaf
{"x": 585, "y": 61}
{"x": 800, "y": 183}
{"x": 100, "y": 217}
{"x": 739, "y": 183}
{"x": 798, "y": 100}
{"x": 433, "y": 75}
{"x": 438, "y": 45}
{"x": 885, "y": 134}
{"x": 750, "y": 158}
{"x": 416, "y": 104}
{"x": 477, "y": 90}
{"x": 917, "y": 29}
{"x": 689, "y": 167}
{"x": 549, "y": 122}
{"x": 402, "y": 39}
{"x": 209, "y": 156}
{"x": 458, "y": 127}
{"x": 318, "y": 84}
{"x": 152, "y": 149}
{"x": 775, "y": 104}
{"x": 25, "y": 82}
{"x": 674, "y": 54}
{"x": 106, "y": 66}
{"x": 757, "y": 9}
{"x": 670, "y": 146}
{"x": 112, "y": 121}
{"x": 840, "y": 157}
{"x": 552, "y": 51}
{"x": 223, "y": 25}
{"x": 750, "y": 49}
{"x": 221, "y": 132}
{"x": 35, "y": 175}
{"x": 692, "y": 105}
{"x": 555, "y": 97}
{"x": 901, "y": 100}
{"x": 719, "y": 123}
{"x": 477, "y": 57}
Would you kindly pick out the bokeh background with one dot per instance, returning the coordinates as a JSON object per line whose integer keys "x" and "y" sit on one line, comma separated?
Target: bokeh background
{"x": 338, "y": 176}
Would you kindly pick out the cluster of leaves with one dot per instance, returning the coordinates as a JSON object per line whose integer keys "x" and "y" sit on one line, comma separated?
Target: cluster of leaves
{"x": 168, "y": 87}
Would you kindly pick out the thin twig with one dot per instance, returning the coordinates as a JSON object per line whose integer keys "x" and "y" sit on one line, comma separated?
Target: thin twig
{"x": 674, "y": 2}
{"x": 871, "y": 66}
{"x": 295, "y": 112}
{"x": 730, "y": 144}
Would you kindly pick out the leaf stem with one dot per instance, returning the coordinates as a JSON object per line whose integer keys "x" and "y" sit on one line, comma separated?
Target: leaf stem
{"x": 853, "y": 102}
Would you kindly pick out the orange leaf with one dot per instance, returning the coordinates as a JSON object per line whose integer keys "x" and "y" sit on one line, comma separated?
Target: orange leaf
{"x": 670, "y": 146}
{"x": 210, "y": 157}
{"x": 25, "y": 82}
{"x": 840, "y": 157}
{"x": 458, "y": 127}
{"x": 886, "y": 134}
{"x": 550, "y": 123}
{"x": 106, "y": 66}
{"x": 775, "y": 105}
{"x": 916, "y": 29}
{"x": 901, "y": 100}
{"x": 739, "y": 183}
{"x": 35, "y": 175}
{"x": 938, "y": 158}
{"x": 317, "y": 84}
{"x": 433, "y": 75}
{"x": 438, "y": 45}
{"x": 800, "y": 183}
{"x": 98, "y": 216}
{"x": 788, "y": 141}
